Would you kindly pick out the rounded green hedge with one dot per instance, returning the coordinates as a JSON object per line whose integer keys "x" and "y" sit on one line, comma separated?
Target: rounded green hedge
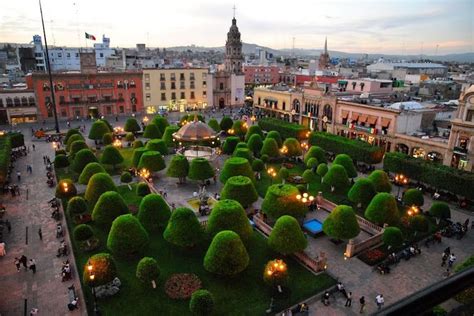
{"x": 243, "y": 153}
{"x": 142, "y": 189}
{"x": 61, "y": 161}
{"x": 241, "y": 145}
{"x": 72, "y": 139}
{"x": 76, "y": 206}
{"x": 82, "y": 232}
{"x": 178, "y": 167}
{"x": 76, "y": 146}
{"x": 127, "y": 237}
{"x": 419, "y": 223}
{"x": 137, "y": 144}
{"x": 315, "y": 152}
{"x": 104, "y": 270}
{"x": 201, "y": 303}
{"x": 183, "y": 229}
{"x": 157, "y": 145}
{"x": 276, "y": 136}
{"x": 255, "y": 144}
{"x": 382, "y": 209}
{"x": 240, "y": 189}
{"x": 109, "y": 206}
{"x": 229, "y": 215}
{"x": 229, "y": 144}
{"x": 137, "y": 154}
{"x": 392, "y": 237}
{"x": 341, "y": 223}
{"x": 270, "y": 148}
{"x": 89, "y": 170}
{"x": 381, "y": 181}
{"x": 131, "y": 125}
{"x": 82, "y": 158}
{"x": 107, "y": 139}
{"x": 362, "y": 192}
{"x": 111, "y": 156}
{"x": 214, "y": 125}
{"x": 280, "y": 200}
{"x": 413, "y": 197}
{"x": 72, "y": 131}
{"x": 98, "y": 129}
{"x": 152, "y": 131}
{"x": 286, "y": 236}
{"x": 153, "y": 212}
{"x": 346, "y": 161}
{"x": 200, "y": 169}
{"x": 322, "y": 169}
{"x": 168, "y": 135}
{"x": 126, "y": 177}
{"x": 226, "y": 254}
{"x": 440, "y": 210}
{"x": 65, "y": 189}
{"x": 258, "y": 165}
{"x": 161, "y": 122}
{"x": 253, "y": 130}
{"x": 312, "y": 163}
{"x": 226, "y": 123}
{"x": 99, "y": 183}
{"x": 293, "y": 147}
{"x": 152, "y": 160}
{"x": 236, "y": 166}
{"x": 147, "y": 270}
{"x": 129, "y": 137}
{"x": 337, "y": 177}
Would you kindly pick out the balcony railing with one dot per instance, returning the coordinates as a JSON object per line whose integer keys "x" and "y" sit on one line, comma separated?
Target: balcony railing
{"x": 82, "y": 102}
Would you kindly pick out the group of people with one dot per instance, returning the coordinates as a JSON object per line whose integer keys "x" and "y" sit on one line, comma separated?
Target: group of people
{"x": 66, "y": 273}
{"x": 31, "y": 264}
{"x": 379, "y": 299}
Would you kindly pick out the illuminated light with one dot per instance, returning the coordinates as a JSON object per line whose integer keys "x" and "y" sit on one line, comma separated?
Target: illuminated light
{"x": 304, "y": 200}
{"x": 89, "y": 267}
{"x": 275, "y": 264}
{"x": 145, "y": 119}
{"x": 298, "y": 197}
{"x": 92, "y": 277}
{"x": 269, "y": 272}
{"x": 117, "y": 143}
{"x": 305, "y": 195}
{"x": 311, "y": 198}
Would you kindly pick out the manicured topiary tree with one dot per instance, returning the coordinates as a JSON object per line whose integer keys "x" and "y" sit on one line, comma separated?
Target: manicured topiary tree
{"x": 83, "y": 232}
{"x": 107, "y": 139}
{"x": 152, "y": 160}
{"x": 229, "y": 144}
{"x": 346, "y": 161}
{"x": 292, "y": 147}
{"x": 283, "y": 173}
{"x": 312, "y": 164}
{"x": 226, "y": 254}
{"x": 76, "y": 146}
{"x": 183, "y": 228}
{"x": 109, "y": 206}
{"x": 214, "y": 125}
{"x": 126, "y": 177}
{"x": 440, "y": 210}
{"x": 255, "y": 144}
{"x": 270, "y": 148}
{"x": 148, "y": 271}
{"x": 65, "y": 189}
{"x": 241, "y": 145}
{"x": 77, "y": 206}
{"x": 72, "y": 131}
{"x": 152, "y": 131}
{"x": 280, "y": 200}
{"x": 258, "y": 165}
{"x": 381, "y": 181}
{"x": 142, "y": 189}
{"x": 137, "y": 154}
{"x": 362, "y": 192}
{"x": 276, "y": 136}
{"x": 341, "y": 223}
{"x": 201, "y": 303}
{"x": 137, "y": 144}
{"x": 109, "y": 126}
{"x": 89, "y": 170}
{"x": 392, "y": 237}
{"x": 413, "y": 197}
{"x": 168, "y": 135}
{"x": 200, "y": 169}
{"x": 322, "y": 170}
{"x": 240, "y": 189}
{"x": 226, "y": 123}
{"x": 253, "y": 130}
{"x": 131, "y": 125}
{"x": 60, "y": 152}
{"x": 111, "y": 156}
{"x": 127, "y": 237}
{"x": 157, "y": 145}
{"x": 229, "y": 215}
{"x": 382, "y": 209}
{"x": 337, "y": 178}
{"x": 61, "y": 161}
{"x": 308, "y": 177}
{"x": 243, "y": 153}
{"x": 82, "y": 158}
{"x": 98, "y": 129}
{"x": 72, "y": 139}
{"x": 419, "y": 224}
{"x": 236, "y": 166}
{"x": 153, "y": 212}
{"x": 286, "y": 236}
{"x": 103, "y": 269}
{"x": 178, "y": 168}
{"x": 99, "y": 183}
{"x": 315, "y": 152}
{"x": 161, "y": 122}
{"x": 129, "y": 137}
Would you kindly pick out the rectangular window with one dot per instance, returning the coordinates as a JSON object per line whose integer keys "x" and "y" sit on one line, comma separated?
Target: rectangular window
{"x": 148, "y": 97}
{"x": 173, "y": 86}
{"x": 181, "y": 76}
{"x": 108, "y": 110}
{"x": 77, "y": 55}
{"x": 173, "y": 76}
{"x": 101, "y": 55}
{"x": 191, "y": 76}
{"x": 147, "y": 77}
{"x": 1, "y": 103}
{"x": 204, "y": 84}
{"x": 162, "y": 77}
{"x": 221, "y": 86}
{"x": 68, "y": 55}
{"x": 204, "y": 93}
{"x": 191, "y": 85}
{"x": 62, "y": 100}
{"x": 121, "y": 109}
{"x": 147, "y": 85}
{"x": 162, "y": 86}
{"x": 163, "y": 96}
{"x": 181, "y": 85}
{"x": 63, "y": 113}
{"x": 173, "y": 95}
{"x": 183, "y": 96}
{"x": 60, "y": 55}
{"x": 192, "y": 95}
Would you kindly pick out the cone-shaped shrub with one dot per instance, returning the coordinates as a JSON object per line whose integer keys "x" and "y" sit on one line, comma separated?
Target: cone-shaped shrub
{"x": 160, "y": 122}
{"x": 148, "y": 271}
{"x": 440, "y": 210}
{"x": 413, "y": 197}
{"x": 392, "y": 237}
{"x": 258, "y": 165}
{"x": 98, "y": 129}
{"x": 89, "y": 170}
{"x": 98, "y": 184}
{"x": 308, "y": 176}
{"x": 362, "y": 192}
{"x": 201, "y": 303}
{"x": 255, "y": 143}
{"x": 229, "y": 144}
{"x": 280, "y": 200}
{"x": 276, "y": 136}
{"x": 131, "y": 125}
{"x": 381, "y": 181}
{"x": 72, "y": 131}
{"x": 315, "y": 152}
{"x": 127, "y": 237}
{"x": 183, "y": 228}
{"x": 286, "y": 236}
{"x": 168, "y": 135}
{"x": 137, "y": 154}
{"x": 337, "y": 177}
{"x": 72, "y": 139}
{"x": 126, "y": 177}
{"x": 253, "y": 130}
{"x": 178, "y": 168}
{"x": 109, "y": 206}
{"x": 60, "y": 152}
{"x": 226, "y": 123}
{"x": 283, "y": 173}
{"x": 226, "y": 254}
{"x": 419, "y": 223}
{"x": 293, "y": 147}
{"x": 200, "y": 169}
{"x": 152, "y": 160}
{"x": 341, "y": 223}
{"x": 243, "y": 153}
{"x": 240, "y": 189}
{"x": 65, "y": 189}
{"x": 142, "y": 189}
{"x": 312, "y": 163}
{"x": 137, "y": 144}
{"x": 157, "y": 145}
{"x": 152, "y": 131}
{"x": 76, "y": 146}
{"x": 241, "y": 145}
{"x": 76, "y": 206}
{"x": 109, "y": 126}
{"x": 229, "y": 215}
{"x": 214, "y": 125}
{"x": 129, "y": 137}
{"x": 82, "y": 232}
{"x": 82, "y": 158}
{"x": 236, "y": 166}
{"x": 270, "y": 148}
{"x": 61, "y": 161}
{"x": 382, "y": 209}
{"x": 346, "y": 161}
{"x": 111, "y": 156}
{"x": 107, "y": 139}
{"x": 322, "y": 169}
{"x": 104, "y": 270}
{"x": 153, "y": 212}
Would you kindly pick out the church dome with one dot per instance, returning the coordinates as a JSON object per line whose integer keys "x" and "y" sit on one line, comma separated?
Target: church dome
{"x": 195, "y": 131}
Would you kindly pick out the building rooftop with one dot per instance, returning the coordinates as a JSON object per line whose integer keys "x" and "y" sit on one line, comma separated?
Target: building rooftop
{"x": 410, "y": 65}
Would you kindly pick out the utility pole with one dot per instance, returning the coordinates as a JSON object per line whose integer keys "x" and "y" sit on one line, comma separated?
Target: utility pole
{"x": 53, "y": 100}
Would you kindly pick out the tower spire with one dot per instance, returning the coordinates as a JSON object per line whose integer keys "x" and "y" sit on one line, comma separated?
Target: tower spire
{"x": 326, "y": 45}
{"x": 234, "y": 8}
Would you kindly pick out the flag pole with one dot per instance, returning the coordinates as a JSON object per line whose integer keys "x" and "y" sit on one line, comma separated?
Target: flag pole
{"x": 48, "y": 65}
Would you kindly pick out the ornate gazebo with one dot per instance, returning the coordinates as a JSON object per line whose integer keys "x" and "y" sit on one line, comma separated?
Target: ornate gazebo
{"x": 195, "y": 140}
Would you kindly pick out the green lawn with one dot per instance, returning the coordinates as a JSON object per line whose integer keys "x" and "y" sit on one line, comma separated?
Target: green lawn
{"x": 245, "y": 294}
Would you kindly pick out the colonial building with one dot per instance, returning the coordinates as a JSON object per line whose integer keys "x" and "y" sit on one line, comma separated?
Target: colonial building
{"x": 175, "y": 89}
{"x": 261, "y": 75}
{"x": 226, "y": 87}
{"x": 17, "y": 106}
{"x": 86, "y": 94}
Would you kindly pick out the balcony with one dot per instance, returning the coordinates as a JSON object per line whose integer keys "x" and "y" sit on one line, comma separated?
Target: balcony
{"x": 90, "y": 102}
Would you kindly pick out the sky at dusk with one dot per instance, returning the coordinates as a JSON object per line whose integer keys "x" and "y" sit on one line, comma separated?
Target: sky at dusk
{"x": 364, "y": 26}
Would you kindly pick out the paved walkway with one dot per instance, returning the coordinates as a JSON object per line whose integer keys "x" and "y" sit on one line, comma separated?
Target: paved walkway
{"x": 22, "y": 291}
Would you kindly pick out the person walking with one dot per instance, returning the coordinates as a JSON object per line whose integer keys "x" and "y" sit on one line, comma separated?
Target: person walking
{"x": 40, "y": 234}
{"x": 23, "y": 261}
{"x": 452, "y": 259}
{"x": 17, "y": 264}
{"x": 362, "y": 304}
{"x": 18, "y": 176}
{"x": 32, "y": 264}
{"x": 9, "y": 226}
{"x": 349, "y": 299}
{"x": 443, "y": 259}
{"x": 34, "y": 147}
{"x": 380, "y": 301}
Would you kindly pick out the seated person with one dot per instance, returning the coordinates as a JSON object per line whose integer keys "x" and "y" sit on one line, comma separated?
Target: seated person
{"x": 73, "y": 305}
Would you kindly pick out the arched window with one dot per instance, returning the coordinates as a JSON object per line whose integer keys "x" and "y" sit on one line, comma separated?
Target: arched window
{"x": 24, "y": 101}
{"x": 296, "y": 105}
{"x": 327, "y": 111}
{"x": 17, "y": 102}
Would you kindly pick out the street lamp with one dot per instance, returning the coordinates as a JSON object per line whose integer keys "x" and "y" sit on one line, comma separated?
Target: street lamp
{"x": 272, "y": 173}
{"x": 91, "y": 278}
{"x": 284, "y": 150}
{"x": 400, "y": 180}
{"x": 230, "y": 131}
{"x": 65, "y": 187}
{"x": 305, "y": 198}
{"x": 253, "y": 119}
{"x": 145, "y": 174}
{"x": 413, "y": 210}
{"x": 145, "y": 119}
{"x": 117, "y": 143}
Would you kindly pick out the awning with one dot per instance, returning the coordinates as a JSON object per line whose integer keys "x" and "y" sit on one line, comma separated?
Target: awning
{"x": 385, "y": 122}
{"x": 342, "y": 82}
{"x": 372, "y": 120}
{"x": 355, "y": 116}
{"x": 363, "y": 118}
{"x": 344, "y": 114}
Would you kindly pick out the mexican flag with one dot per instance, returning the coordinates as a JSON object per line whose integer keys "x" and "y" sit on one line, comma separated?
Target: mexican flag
{"x": 90, "y": 36}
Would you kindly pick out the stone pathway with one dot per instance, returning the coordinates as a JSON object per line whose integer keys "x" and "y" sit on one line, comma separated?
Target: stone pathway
{"x": 22, "y": 291}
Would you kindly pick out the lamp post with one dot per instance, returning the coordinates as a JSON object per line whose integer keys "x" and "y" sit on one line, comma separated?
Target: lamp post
{"x": 91, "y": 278}
{"x": 413, "y": 210}
{"x": 272, "y": 173}
{"x": 306, "y": 199}
{"x": 400, "y": 180}
{"x": 145, "y": 174}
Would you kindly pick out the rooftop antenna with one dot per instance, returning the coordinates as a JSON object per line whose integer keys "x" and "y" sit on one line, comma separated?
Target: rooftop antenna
{"x": 234, "y": 8}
